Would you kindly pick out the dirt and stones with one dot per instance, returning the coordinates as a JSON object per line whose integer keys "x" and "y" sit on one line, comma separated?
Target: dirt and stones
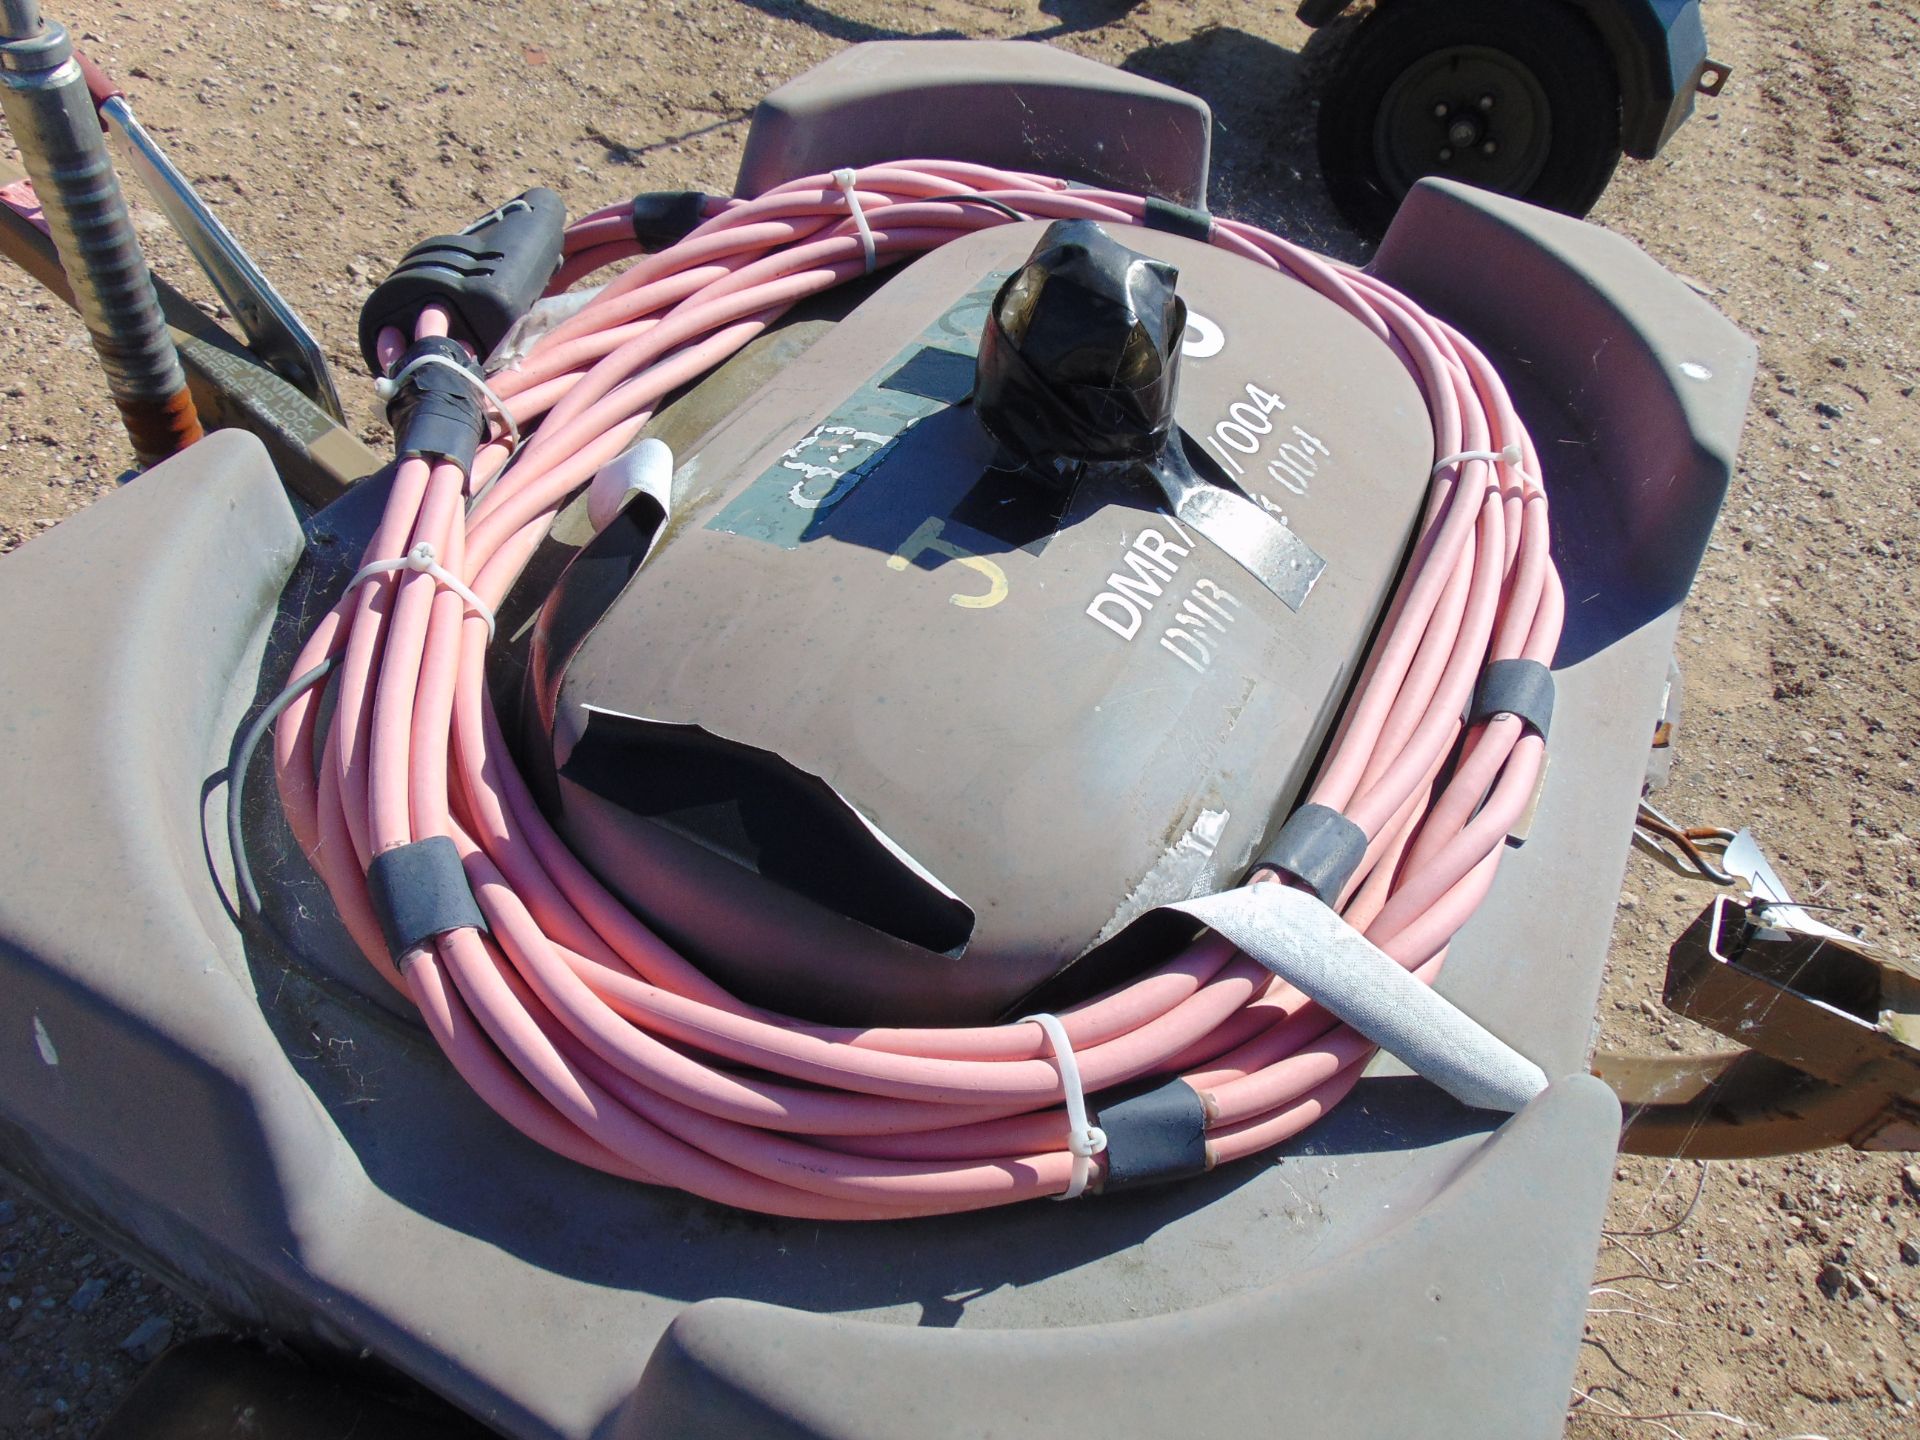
{"x": 1783, "y": 1300}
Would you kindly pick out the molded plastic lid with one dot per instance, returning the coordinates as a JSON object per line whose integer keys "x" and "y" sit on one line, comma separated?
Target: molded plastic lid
{"x": 880, "y": 733}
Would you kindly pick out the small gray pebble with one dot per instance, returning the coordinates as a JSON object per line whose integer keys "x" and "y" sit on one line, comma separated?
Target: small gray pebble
{"x": 149, "y": 1338}
{"x": 87, "y": 1296}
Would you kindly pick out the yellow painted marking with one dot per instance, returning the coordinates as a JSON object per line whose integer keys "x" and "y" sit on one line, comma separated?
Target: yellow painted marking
{"x": 926, "y": 538}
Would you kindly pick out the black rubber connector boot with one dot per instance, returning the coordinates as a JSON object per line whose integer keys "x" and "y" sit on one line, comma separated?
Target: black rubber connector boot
{"x": 486, "y": 277}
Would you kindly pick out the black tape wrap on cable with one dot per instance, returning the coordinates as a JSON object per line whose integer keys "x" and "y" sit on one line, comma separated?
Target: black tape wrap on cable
{"x": 1177, "y": 219}
{"x": 1319, "y": 847}
{"x": 1154, "y": 1137}
{"x": 661, "y": 217}
{"x": 436, "y": 412}
{"x": 1521, "y": 688}
{"x": 420, "y": 891}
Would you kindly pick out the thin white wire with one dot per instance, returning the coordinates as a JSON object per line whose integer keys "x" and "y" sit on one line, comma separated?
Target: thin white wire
{"x": 423, "y": 560}
{"x": 844, "y": 179}
{"x": 1084, "y": 1139}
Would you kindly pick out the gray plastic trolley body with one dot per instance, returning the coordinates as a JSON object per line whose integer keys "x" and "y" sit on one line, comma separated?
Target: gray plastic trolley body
{"x": 1013, "y": 104}
{"x": 242, "y": 1108}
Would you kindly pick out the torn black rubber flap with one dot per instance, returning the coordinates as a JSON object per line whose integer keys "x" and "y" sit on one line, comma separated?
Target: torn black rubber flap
{"x": 1080, "y": 365}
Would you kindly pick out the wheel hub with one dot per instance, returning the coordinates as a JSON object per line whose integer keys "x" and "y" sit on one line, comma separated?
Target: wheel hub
{"x": 1468, "y": 112}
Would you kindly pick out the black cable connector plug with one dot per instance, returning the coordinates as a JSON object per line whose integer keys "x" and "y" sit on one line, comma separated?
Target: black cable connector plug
{"x": 486, "y": 277}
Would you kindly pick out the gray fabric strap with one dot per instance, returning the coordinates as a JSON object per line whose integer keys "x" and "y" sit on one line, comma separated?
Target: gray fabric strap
{"x": 1160, "y": 1135}
{"x": 1319, "y": 847}
{"x": 1521, "y": 688}
{"x": 1306, "y": 944}
{"x": 420, "y": 891}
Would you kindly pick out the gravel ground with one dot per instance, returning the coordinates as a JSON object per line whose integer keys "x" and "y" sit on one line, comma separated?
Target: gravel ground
{"x": 1768, "y": 1299}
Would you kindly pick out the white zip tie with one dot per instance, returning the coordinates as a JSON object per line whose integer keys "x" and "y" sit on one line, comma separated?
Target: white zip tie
{"x": 1085, "y": 1140}
{"x": 422, "y": 559}
{"x": 519, "y": 202}
{"x": 1508, "y": 454}
{"x": 388, "y": 386}
{"x": 844, "y": 179}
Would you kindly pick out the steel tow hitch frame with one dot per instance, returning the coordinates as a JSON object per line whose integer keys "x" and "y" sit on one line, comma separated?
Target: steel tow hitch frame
{"x": 1831, "y": 1039}
{"x": 50, "y": 118}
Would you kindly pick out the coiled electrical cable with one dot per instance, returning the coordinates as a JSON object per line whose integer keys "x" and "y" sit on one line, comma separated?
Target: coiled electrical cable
{"x": 590, "y": 1034}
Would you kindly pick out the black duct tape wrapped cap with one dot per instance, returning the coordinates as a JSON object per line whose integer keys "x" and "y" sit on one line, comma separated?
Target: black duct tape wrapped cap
{"x": 1079, "y": 358}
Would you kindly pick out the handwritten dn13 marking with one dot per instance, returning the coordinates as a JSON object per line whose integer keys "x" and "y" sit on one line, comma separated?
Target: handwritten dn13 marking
{"x": 839, "y": 456}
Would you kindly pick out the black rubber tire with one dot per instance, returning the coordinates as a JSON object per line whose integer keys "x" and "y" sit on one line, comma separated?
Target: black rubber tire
{"x": 1403, "y": 40}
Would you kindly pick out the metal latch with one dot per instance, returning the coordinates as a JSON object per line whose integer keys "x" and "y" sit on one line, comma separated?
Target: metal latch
{"x": 1830, "y": 1037}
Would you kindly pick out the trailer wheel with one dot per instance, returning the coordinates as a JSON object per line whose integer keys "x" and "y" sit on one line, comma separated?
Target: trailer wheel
{"x": 1516, "y": 96}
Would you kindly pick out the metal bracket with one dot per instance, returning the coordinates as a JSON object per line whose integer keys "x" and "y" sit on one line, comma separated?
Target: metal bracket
{"x": 274, "y": 332}
{"x": 1831, "y": 1037}
{"x": 317, "y": 457}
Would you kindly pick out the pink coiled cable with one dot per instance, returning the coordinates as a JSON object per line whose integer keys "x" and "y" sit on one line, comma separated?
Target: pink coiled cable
{"x": 591, "y": 1035}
